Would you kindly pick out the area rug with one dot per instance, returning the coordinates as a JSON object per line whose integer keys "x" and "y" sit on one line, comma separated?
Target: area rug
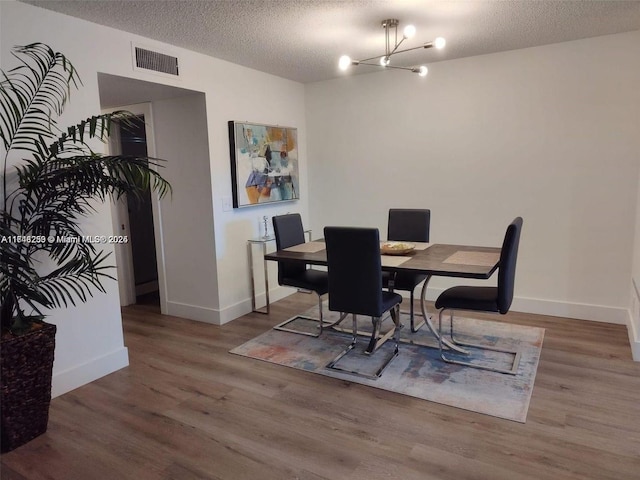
{"x": 418, "y": 370}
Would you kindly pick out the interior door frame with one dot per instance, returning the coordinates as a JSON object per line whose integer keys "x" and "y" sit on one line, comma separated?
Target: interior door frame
{"x": 120, "y": 217}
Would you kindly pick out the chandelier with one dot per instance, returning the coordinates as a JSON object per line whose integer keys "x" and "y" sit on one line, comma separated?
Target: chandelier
{"x": 391, "y": 48}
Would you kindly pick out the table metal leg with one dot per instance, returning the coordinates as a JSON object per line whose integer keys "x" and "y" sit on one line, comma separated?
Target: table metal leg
{"x": 263, "y": 310}
{"x": 427, "y": 320}
{"x": 263, "y": 241}
{"x": 377, "y": 340}
{"x": 266, "y": 276}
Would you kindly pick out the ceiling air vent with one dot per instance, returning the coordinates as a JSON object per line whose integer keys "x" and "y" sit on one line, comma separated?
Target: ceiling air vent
{"x": 155, "y": 61}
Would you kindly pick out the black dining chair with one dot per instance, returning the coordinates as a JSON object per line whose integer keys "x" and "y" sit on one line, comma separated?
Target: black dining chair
{"x": 407, "y": 225}
{"x": 355, "y": 287}
{"x": 289, "y": 232}
{"x": 485, "y": 299}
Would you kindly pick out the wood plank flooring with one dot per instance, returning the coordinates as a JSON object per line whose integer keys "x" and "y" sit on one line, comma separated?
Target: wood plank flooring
{"x": 186, "y": 409}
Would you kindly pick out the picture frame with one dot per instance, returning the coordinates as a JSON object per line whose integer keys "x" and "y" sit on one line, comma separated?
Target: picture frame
{"x": 264, "y": 163}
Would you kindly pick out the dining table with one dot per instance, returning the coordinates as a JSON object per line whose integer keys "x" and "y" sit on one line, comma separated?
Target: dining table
{"x": 431, "y": 259}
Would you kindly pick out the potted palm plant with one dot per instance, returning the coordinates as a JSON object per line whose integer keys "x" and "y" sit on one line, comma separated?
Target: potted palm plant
{"x": 51, "y": 179}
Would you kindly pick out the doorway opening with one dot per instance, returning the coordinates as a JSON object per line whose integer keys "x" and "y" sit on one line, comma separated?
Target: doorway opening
{"x": 176, "y": 130}
{"x": 139, "y": 272}
{"x": 133, "y": 141}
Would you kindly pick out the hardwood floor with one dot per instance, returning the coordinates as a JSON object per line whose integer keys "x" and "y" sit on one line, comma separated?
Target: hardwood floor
{"x": 186, "y": 409}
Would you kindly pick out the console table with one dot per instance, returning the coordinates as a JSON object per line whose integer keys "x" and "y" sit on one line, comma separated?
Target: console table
{"x": 263, "y": 241}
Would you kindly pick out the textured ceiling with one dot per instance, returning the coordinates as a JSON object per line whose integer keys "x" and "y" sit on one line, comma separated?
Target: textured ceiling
{"x": 303, "y": 39}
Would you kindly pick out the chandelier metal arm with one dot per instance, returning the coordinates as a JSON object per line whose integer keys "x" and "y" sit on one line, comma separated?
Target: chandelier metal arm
{"x": 392, "y": 48}
{"x": 426, "y": 45}
{"x": 367, "y": 59}
{"x": 388, "y": 66}
{"x": 395, "y": 49}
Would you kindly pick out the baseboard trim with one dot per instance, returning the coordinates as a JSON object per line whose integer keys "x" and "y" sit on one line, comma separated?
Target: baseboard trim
{"x": 633, "y": 326}
{"x": 94, "y": 369}
{"x": 580, "y": 311}
{"x": 194, "y": 312}
{"x": 634, "y": 337}
{"x": 227, "y": 314}
{"x": 242, "y": 308}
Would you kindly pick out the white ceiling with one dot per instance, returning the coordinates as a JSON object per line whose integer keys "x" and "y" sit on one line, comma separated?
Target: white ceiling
{"x": 303, "y": 39}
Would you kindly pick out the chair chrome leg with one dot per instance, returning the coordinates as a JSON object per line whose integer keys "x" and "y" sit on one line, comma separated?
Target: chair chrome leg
{"x": 377, "y": 320}
{"x": 514, "y": 366}
{"x": 377, "y": 340}
{"x": 440, "y": 337}
{"x": 283, "y": 326}
{"x": 374, "y": 335}
{"x": 396, "y": 333}
{"x": 335, "y": 324}
{"x": 395, "y": 314}
{"x": 354, "y": 339}
{"x": 451, "y": 328}
{"x": 320, "y": 314}
{"x": 354, "y": 328}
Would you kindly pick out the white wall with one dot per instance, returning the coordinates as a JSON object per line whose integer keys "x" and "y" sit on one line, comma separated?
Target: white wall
{"x": 562, "y": 119}
{"x": 548, "y": 133}
{"x": 246, "y": 95}
{"x": 90, "y": 341}
{"x": 180, "y": 126}
{"x": 636, "y": 249}
{"x": 634, "y": 308}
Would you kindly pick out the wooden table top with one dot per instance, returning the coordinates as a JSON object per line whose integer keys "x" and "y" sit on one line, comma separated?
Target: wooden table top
{"x": 434, "y": 260}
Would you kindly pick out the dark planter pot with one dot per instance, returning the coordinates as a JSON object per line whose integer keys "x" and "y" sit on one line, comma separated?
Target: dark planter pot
{"x": 25, "y": 379}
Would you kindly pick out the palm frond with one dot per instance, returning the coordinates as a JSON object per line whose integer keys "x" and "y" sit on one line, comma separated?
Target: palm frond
{"x": 48, "y": 193}
{"x": 94, "y": 176}
{"x": 32, "y": 92}
{"x": 95, "y": 127}
{"x": 18, "y": 277}
{"x": 75, "y": 280}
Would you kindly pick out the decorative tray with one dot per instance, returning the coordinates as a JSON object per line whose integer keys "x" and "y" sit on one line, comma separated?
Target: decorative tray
{"x": 396, "y": 248}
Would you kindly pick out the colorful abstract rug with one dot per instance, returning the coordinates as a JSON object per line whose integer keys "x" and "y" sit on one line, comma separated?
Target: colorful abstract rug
{"x": 418, "y": 370}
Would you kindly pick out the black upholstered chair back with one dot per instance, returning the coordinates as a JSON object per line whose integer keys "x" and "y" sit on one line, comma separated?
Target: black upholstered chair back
{"x": 408, "y": 224}
{"x": 288, "y": 231}
{"x": 507, "y": 268}
{"x": 353, "y": 260}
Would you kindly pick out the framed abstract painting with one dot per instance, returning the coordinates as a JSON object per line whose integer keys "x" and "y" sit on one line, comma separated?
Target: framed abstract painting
{"x": 264, "y": 164}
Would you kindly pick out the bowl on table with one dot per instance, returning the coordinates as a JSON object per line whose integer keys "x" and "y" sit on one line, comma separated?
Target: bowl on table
{"x": 396, "y": 248}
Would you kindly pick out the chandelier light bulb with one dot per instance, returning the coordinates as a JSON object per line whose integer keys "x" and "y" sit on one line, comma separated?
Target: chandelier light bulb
{"x": 409, "y": 31}
{"x": 344, "y": 62}
{"x": 439, "y": 43}
{"x": 394, "y": 45}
